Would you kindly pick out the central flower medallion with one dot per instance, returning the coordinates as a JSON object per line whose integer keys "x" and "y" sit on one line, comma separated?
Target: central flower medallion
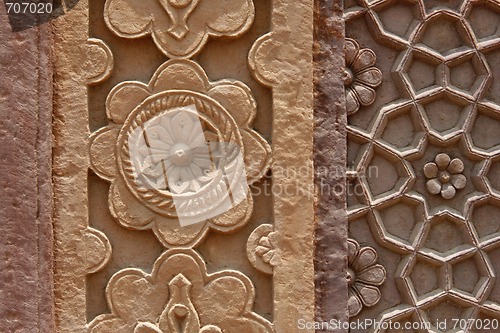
{"x": 181, "y": 145}
{"x": 180, "y": 153}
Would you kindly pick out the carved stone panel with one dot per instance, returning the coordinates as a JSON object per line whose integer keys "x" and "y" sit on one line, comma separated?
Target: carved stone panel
{"x": 177, "y": 125}
{"x": 423, "y": 144}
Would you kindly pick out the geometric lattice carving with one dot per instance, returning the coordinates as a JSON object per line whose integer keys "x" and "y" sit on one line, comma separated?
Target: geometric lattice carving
{"x": 443, "y": 135}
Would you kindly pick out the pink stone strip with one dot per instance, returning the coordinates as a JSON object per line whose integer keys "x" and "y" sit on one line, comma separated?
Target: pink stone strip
{"x": 26, "y": 295}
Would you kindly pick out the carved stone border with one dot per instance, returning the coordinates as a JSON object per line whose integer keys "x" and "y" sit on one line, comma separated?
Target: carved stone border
{"x": 70, "y": 168}
{"x": 291, "y": 42}
{"x": 26, "y": 298}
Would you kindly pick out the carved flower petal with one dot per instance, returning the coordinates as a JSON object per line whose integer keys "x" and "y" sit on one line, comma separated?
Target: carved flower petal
{"x": 458, "y": 181}
{"x": 366, "y": 58}
{"x": 127, "y": 18}
{"x": 369, "y": 295}
{"x": 448, "y": 191}
{"x": 221, "y": 298}
{"x": 102, "y": 152}
{"x": 237, "y": 99}
{"x": 352, "y": 249}
{"x": 268, "y": 256}
{"x": 182, "y": 127}
{"x": 366, "y": 94}
{"x": 102, "y": 324}
{"x": 456, "y": 166}
{"x": 431, "y": 170}
{"x": 374, "y": 275}
{"x": 371, "y": 77}
{"x": 230, "y": 18}
{"x": 261, "y": 250}
{"x": 257, "y": 155}
{"x": 210, "y": 329}
{"x": 253, "y": 324}
{"x": 127, "y": 209}
{"x": 354, "y": 304}
{"x": 351, "y": 48}
{"x": 433, "y": 186}
{"x": 180, "y": 75}
{"x": 442, "y": 161}
{"x": 235, "y": 217}
{"x": 351, "y": 101}
{"x": 145, "y": 327}
{"x": 172, "y": 234}
{"x": 264, "y": 241}
{"x": 148, "y": 298}
{"x": 366, "y": 257}
{"x": 123, "y": 99}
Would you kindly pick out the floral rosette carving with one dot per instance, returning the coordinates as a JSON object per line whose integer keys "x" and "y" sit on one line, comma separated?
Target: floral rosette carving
{"x": 360, "y": 76}
{"x": 261, "y": 248}
{"x": 179, "y": 296}
{"x": 364, "y": 276}
{"x": 153, "y": 152}
{"x": 445, "y": 176}
{"x": 179, "y": 28}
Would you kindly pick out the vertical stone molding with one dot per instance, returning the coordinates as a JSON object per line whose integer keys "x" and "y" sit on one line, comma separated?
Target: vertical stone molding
{"x": 330, "y": 164}
{"x": 26, "y": 299}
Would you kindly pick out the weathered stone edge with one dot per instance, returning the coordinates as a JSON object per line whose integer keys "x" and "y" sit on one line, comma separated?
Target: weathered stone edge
{"x": 26, "y": 269}
{"x": 330, "y": 152}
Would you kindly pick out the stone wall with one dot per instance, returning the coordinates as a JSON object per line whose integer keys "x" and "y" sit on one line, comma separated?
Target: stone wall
{"x": 26, "y": 293}
{"x": 254, "y": 166}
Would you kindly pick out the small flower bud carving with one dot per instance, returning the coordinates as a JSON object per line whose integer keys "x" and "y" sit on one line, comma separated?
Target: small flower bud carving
{"x": 445, "y": 176}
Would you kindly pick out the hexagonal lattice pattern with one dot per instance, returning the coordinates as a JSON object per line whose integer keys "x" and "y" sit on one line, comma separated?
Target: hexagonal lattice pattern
{"x": 485, "y": 128}
{"x": 402, "y": 129}
{"x": 468, "y": 74}
{"x": 444, "y": 311}
{"x": 444, "y": 33}
{"x": 385, "y": 173}
{"x": 442, "y": 74}
{"x": 403, "y": 219}
{"x": 446, "y": 234}
{"x": 470, "y": 275}
{"x": 485, "y": 20}
{"x": 445, "y": 114}
{"x": 485, "y": 216}
{"x": 399, "y": 17}
{"x": 425, "y": 277}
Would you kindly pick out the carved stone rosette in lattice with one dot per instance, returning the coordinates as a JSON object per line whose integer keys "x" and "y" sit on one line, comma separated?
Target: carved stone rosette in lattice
{"x": 422, "y": 158}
